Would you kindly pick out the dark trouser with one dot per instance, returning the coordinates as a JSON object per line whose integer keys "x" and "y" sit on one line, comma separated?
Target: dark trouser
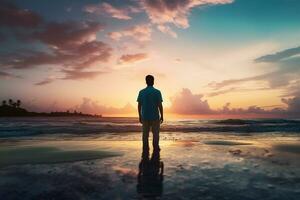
{"x": 155, "y": 126}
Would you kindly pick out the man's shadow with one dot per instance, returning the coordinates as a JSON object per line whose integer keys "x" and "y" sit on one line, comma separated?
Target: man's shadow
{"x": 150, "y": 176}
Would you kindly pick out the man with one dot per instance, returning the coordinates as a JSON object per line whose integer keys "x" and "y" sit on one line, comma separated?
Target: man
{"x": 149, "y": 106}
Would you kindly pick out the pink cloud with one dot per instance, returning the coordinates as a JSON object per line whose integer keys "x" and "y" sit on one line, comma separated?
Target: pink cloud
{"x": 167, "y": 30}
{"x": 78, "y": 74}
{"x": 175, "y": 12}
{"x": 106, "y": 8}
{"x": 93, "y": 107}
{"x": 131, "y": 58}
{"x": 187, "y": 103}
{"x": 139, "y": 33}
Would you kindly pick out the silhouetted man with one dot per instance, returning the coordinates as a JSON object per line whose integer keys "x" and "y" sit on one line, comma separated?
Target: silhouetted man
{"x": 149, "y": 106}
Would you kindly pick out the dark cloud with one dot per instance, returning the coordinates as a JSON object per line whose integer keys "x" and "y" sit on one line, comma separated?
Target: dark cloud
{"x": 71, "y": 46}
{"x": 67, "y": 35}
{"x": 293, "y": 105}
{"x": 7, "y": 75}
{"x": 71, "y": 74}
{"x": 83, "y": 56}
{"x": 131, "y": 58}
{"x": 279, "y": 55}
{"x": 45, "y": 82}
{"x": 12, "y": 16}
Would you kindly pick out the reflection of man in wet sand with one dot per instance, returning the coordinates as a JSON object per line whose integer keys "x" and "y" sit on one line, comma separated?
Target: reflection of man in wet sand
{"x": 149, "y": 106}
{"x": 150, "y": 176}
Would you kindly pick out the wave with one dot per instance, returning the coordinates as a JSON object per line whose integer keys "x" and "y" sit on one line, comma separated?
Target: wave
{"x": 258, "y": 121}
{"x": 13, "y": 127}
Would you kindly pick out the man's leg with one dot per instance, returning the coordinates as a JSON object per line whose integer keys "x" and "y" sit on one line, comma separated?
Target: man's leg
{"x": 146, "y": 129}
{"x": 155, "y": 131}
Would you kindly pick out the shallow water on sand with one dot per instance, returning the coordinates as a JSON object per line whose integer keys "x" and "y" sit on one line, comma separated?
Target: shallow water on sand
{"x": 190, "y": 166}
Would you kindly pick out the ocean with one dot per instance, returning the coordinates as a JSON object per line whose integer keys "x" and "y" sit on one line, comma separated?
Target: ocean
{"x": 14, "y": 127}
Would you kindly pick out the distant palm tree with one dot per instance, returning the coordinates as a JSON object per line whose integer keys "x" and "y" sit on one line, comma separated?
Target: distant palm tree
{"x": 4, "y": 103}
{"x": 10, "y": 102}
{"x": 18, "y": 103}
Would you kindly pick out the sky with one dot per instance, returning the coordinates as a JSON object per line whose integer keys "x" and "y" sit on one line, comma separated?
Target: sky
{"x": 210, "y": 58}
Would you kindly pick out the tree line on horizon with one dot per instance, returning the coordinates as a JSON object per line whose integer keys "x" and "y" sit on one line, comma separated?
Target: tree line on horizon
{"x": 12, "y": 108}
{"x": 11, "y": 103}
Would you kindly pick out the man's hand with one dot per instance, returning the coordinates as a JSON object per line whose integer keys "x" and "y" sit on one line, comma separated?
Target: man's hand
{"x": 140, "y": 112}
{"x": 161, "y": 120}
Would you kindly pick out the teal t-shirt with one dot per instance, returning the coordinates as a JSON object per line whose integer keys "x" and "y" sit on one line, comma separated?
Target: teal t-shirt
{"x": 149, "y": 98}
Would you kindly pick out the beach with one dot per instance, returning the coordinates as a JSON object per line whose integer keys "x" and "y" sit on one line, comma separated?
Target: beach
{"x": 102, "y": 160}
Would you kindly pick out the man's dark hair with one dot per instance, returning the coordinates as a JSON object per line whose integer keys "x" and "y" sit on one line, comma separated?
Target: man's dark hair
{"x": 150, "y": 80}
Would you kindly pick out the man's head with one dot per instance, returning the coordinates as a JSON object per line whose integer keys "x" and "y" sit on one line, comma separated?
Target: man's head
{"x": 150, "y": 80}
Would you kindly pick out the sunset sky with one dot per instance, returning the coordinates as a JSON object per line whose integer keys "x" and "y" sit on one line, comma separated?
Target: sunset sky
{"x": 209, "y": 57}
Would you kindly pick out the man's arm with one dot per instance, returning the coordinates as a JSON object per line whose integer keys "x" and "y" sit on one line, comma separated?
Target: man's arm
{"x": 140, "y": 113}
{"x": 161, "y": 110}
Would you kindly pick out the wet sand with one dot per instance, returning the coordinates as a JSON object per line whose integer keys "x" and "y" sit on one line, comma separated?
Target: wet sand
{"x": 195, "y": 166}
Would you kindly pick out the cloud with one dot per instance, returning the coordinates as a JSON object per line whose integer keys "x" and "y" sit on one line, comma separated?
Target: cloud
{"x": 167, "y": 30}
{"x": 93, "y": 107}
{"x": 187, "y": 103}
{"x": 7, "y": 75}
{"x": 279, "y": 55}
{"x": 161, "y": 12}
{"x": 229, "y": 82}
{"x": 76, "y": 75}
{"x": 46, "y": 81}
{"x": 131, "y": 58}
{"x": 67, "y": 35}
{"x": 139, "y": 33}
{"x": 69, "y": 44}
{"x": 212, "y": 94}
{"x": 73, "y": 74}
{"x": 81, "y": 57}
{"x": 106, "y": 8}
{"x": 293, "y": 105}
{"x": 12, "y": 16}
{"x": 286, "y": 71}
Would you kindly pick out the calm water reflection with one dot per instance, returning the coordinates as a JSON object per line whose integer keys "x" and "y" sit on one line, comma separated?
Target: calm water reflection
{"x": 150, "y": 176}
